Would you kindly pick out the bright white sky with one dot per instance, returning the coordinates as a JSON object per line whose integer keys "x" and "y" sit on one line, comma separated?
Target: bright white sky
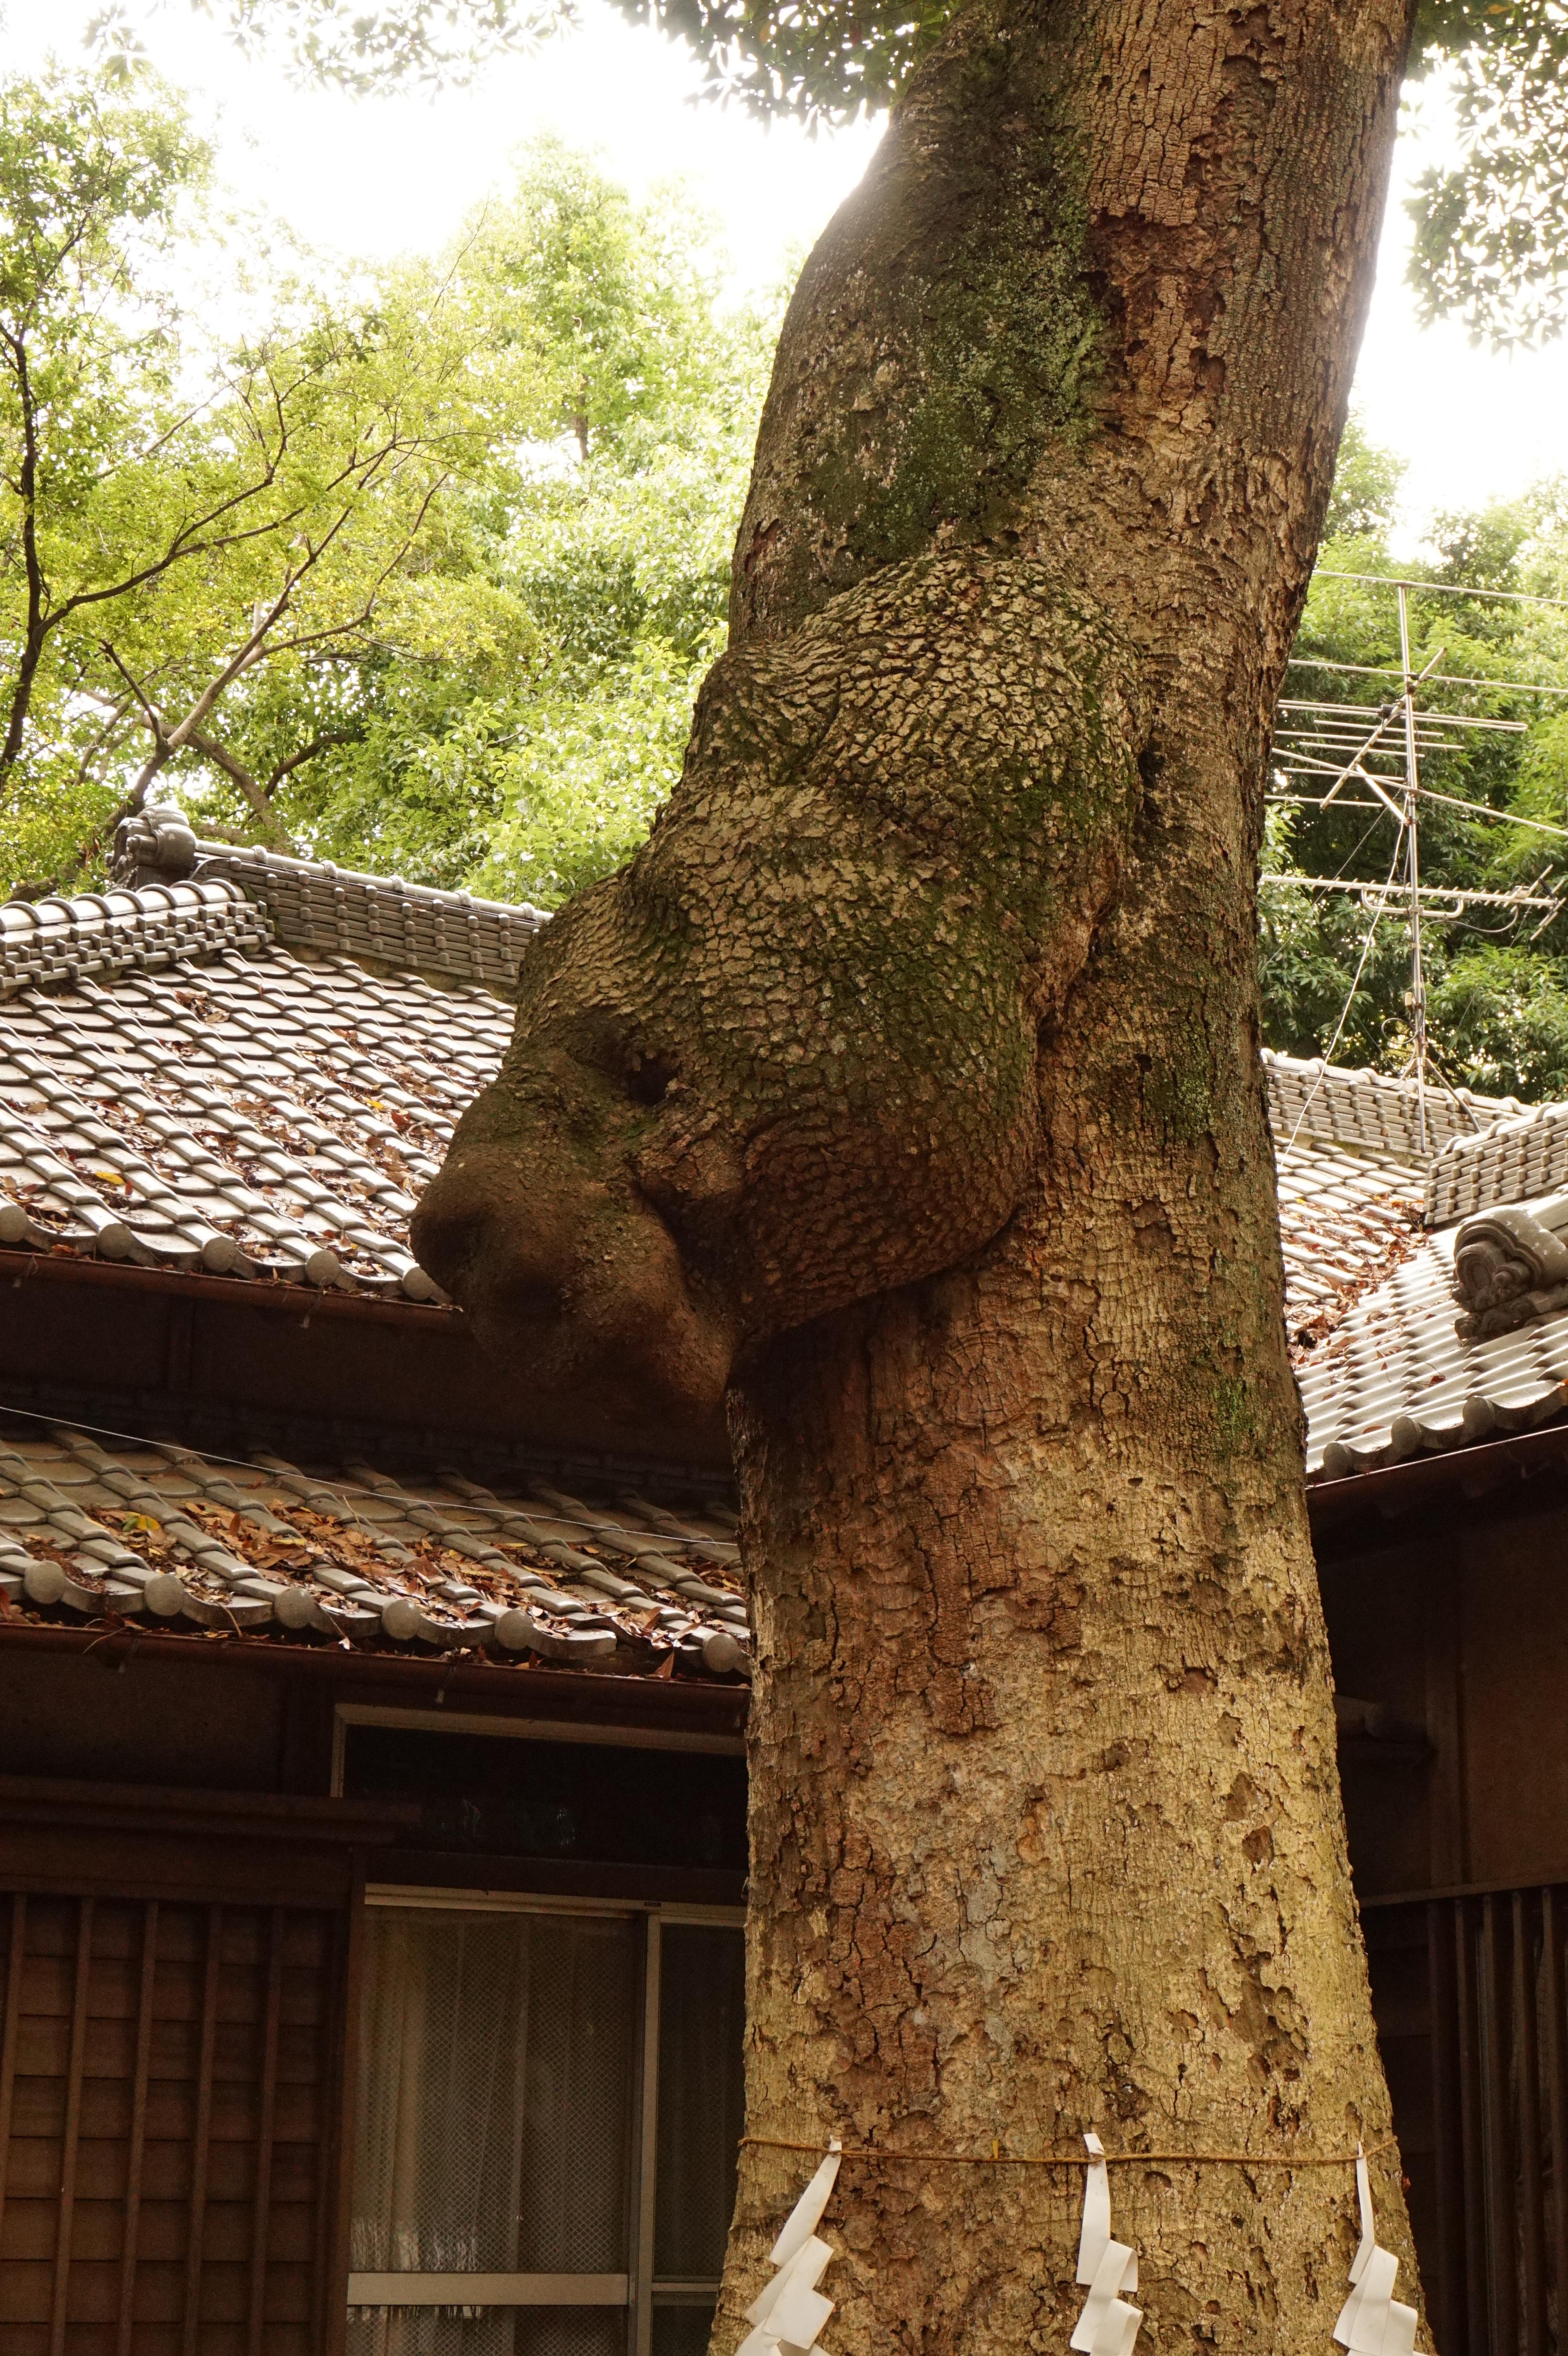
{"x": 378, "y": 176}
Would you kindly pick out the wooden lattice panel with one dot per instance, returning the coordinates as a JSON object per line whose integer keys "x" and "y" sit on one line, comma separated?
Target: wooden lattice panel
{"x": 168, "y": 2086}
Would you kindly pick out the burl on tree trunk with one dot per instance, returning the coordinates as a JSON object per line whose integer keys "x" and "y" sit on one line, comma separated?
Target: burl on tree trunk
{"x": 906, "y": 1089}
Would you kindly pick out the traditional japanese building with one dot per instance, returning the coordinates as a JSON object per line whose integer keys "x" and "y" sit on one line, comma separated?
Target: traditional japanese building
{"x": 372, "y": 1803}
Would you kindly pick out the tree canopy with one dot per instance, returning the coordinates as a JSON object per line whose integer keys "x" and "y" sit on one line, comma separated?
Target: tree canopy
{"x": 415, "y": 567}
{"x": 1491, "y": 243}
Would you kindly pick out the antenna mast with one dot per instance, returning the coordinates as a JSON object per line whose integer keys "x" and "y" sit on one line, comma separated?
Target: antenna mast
{"x": 1412, "y": 875}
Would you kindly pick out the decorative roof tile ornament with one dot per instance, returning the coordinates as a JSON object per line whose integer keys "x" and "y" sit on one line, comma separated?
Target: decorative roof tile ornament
{"x": 1108, "y": 2325}
{"x": 789, "y": 2311}
{"x": 1511, "y": 1265}
{"x": 1372, "y": 2323}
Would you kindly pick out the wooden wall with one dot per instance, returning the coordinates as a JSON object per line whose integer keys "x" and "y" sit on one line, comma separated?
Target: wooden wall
{"x": 176, "y": 2007}
{"x": 167, "y": 2129}
{"x": 1457, "y": 1621}
{"x": 1455, "y": 1618}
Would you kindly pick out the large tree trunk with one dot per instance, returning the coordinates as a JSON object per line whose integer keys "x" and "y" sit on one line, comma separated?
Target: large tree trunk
{"x": 1046, "y": 1825}
{"x": 1046, "y": 1821}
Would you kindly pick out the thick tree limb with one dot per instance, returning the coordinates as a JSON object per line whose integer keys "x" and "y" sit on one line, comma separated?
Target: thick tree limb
{"x": 275, "y": 833}
{"x": 36, "y": 625}
{"x": 327, "y": 743}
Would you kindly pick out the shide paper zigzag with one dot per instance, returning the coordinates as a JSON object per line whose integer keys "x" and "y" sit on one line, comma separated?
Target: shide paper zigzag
{"x": 790, "y": 2312}
{"x": 1108, "y": 2325}
{"x": 788, "y": 2315}
{"x": 1372, "y": 2323}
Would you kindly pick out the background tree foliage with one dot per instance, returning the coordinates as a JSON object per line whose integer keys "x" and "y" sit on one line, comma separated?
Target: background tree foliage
{"x": 1492, "y": 233}
{"x": 418, "y": 570}
{"x": 1498, "y": 984}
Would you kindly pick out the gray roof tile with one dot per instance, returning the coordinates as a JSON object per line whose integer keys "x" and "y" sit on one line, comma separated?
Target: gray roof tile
{"x": 253, "y": 1115}
{"x": 88, "y": 1529}
{"x": 1367, "y": 1110}
{"x": 1515, "y": 1160}
{"x": 326, "y": 910}
{"x": 177, "y": 1088}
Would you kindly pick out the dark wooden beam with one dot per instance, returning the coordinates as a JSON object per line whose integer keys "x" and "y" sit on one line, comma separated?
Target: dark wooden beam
{"x": 75, "y": 1324}
{"x": 508, "y": 1688}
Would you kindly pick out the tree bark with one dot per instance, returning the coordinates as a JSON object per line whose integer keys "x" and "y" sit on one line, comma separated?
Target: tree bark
{"x": 1046, "y": 1822}
{"x": 1046, "y": 1825}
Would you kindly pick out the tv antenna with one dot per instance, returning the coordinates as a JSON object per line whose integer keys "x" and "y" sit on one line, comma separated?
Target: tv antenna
{"x": 1330, "y": 744}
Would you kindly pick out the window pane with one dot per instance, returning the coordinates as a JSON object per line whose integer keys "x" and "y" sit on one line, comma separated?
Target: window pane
{"x": 682, "y": 2330}
{"x": 496, "y": 2087}
{"x": 571, "y": 2332}
{"x": 701, "y": 2099}
{"x": 578, "y": 2089}
{"x": 491, "y": 2332}
{"x": 578, "y": 1802}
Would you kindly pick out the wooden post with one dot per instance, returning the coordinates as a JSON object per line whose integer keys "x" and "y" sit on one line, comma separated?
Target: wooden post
{"x": 138, "y": 2135}
{"x": 201, "y": 2135}
{"x": 16, "y": 1963}
{"x": 72, "y": 2128}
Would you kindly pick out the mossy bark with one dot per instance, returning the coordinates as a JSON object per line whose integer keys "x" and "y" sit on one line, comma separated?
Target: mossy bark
{"x": 909, "y": 1084}
{"x": 1046, "y": 1821}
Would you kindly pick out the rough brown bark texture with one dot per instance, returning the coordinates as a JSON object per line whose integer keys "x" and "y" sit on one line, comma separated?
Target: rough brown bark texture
{"x": 908, "y": 1084}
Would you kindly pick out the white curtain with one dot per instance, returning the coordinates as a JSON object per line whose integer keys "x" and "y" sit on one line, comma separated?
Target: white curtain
{"x": 495, "y": 2076}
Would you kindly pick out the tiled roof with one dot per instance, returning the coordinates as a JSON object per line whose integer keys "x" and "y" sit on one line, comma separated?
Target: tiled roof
{"x": 96, "y": 1528}
{"x": 104, "y": 933}
{"x": 1515, "y": 1161}
{"x": 331, "y": 911}
{"x": 219, "y": 1104}
{"x": 178, "y": 1087}
{"x": 1398, "y": 1381}
{"x": 1389, "y": 1365}
{"x": 1369, "y": 1111}
{"x": 1346, "y": 1221}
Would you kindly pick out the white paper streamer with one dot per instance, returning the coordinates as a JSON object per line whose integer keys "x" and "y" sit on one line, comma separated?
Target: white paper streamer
{"x": 1108, "y": 2325}
{"x": 1372, "y": 2323}
{"x": 789, "y": 2311}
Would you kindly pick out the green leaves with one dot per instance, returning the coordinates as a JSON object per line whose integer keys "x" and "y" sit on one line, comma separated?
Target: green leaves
{"x": 420, "y": 573}
{"x": 371, "y": 50}
{"x": 531, "y": 781}
{"x": 1491, "y": 232}
{"x": 178, "y": 513}
{"x": 813, "y": 58}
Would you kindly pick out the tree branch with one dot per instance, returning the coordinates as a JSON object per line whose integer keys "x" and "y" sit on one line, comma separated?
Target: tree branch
{"x": 37, "y": 624}
{"x": 326, "y": 743}
{"x": 275, "y": 833}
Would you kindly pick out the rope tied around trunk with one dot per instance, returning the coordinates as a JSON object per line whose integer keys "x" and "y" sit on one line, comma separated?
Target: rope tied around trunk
{"x": 790, "y": 2311}
{"x": 998, "y": 2159}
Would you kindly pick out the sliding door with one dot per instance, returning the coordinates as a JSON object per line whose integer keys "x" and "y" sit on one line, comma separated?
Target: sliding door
{"x": 548, "y": 2114}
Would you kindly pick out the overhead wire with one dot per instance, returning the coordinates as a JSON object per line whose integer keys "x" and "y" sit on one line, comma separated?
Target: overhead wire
{"x": 608, "y": 1530}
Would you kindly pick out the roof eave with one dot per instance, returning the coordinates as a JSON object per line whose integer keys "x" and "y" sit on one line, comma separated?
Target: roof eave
{"x": 1390, "y": 1490}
